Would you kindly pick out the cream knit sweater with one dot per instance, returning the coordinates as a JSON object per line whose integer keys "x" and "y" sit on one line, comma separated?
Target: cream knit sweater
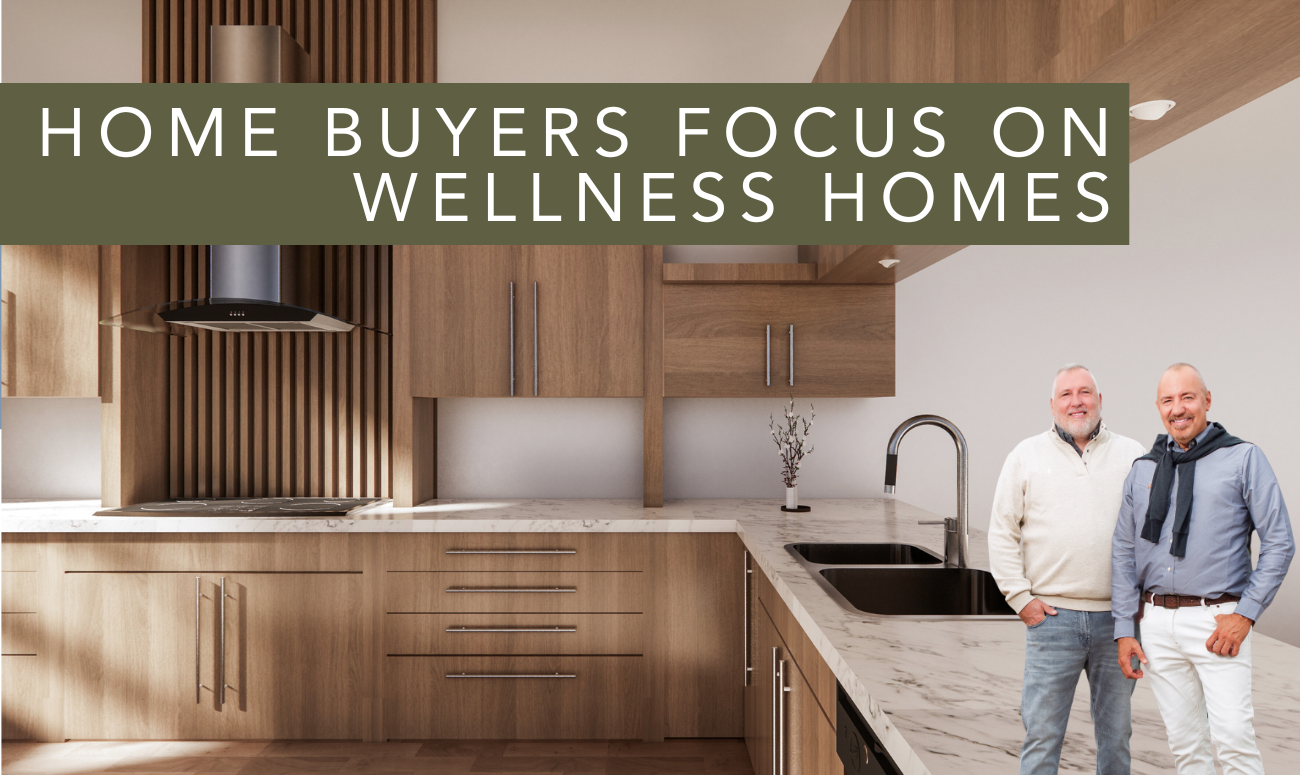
{"x": 1053, "y": 519}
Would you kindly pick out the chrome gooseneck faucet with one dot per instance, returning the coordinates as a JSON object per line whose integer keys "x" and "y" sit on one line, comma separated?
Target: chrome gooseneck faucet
{"x": 956, "y": 544}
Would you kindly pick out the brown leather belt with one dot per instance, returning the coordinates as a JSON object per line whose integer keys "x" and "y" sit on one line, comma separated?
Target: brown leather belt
{"x": 1184, "y": 601}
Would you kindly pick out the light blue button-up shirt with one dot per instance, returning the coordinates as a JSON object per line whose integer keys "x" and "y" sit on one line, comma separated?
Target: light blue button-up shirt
{"x": 1235, "y": 492}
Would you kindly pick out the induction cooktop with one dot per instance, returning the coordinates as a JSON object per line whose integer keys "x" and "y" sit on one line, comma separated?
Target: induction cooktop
{"x": 244, "y": 507}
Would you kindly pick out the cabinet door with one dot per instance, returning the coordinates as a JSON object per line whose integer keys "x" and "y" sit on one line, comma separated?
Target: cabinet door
{"x": 716, "y": 340}
{"x": 147, "y": 656}
{"x": 793, "y": 735}
{"x": 768, "y": 650}
{"x": 754, "y": 696}
{"x": 809, "y": 734}
{"x": 137, "y": 647}
{"x": 589, "y": 326}
{"x": 461, "y": 320}
{"x": 50, "y": 320}
{"x": 843, "y": 341}
{"x": 293, "y": 657}
{"x": 20, "y": 696}
{"x": 700, "y": 621}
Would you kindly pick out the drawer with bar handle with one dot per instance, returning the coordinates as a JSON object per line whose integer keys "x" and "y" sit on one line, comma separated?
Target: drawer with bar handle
{"x": 519, "y": 698}
{"x": 515, "y": 592}
{"x": 447, "y": 634}
{"x": 518, "y": 552}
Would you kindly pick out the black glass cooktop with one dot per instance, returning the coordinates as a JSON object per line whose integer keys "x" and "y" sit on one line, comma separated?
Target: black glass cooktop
{"x": 244, "y": 507}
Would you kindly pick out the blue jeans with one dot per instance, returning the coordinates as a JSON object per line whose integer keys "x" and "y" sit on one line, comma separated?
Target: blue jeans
{"x": 1056, "y": 649}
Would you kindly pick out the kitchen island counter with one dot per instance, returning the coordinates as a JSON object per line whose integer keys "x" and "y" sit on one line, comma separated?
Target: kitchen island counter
{"x": 943, "y": 696}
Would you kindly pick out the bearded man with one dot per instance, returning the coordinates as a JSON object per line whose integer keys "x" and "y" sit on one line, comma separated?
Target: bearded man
{"x": 1050, "y": 550}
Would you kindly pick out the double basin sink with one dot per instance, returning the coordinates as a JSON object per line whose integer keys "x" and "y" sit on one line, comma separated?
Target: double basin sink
{"x": 901, "y": 581}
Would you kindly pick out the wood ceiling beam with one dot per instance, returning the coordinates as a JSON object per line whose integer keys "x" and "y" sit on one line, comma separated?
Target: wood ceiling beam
{"x": 1209, "y": 56}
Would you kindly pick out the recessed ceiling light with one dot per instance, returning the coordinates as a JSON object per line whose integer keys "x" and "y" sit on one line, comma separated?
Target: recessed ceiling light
{"x": 1150, "y": 111}
{"x": 889, "y": 263}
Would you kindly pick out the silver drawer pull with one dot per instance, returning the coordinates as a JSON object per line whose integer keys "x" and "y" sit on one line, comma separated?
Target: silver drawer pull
{"x": 542, "y": 590}
{"x": 512, "y": 551}
{"x": 512, "y": 629}
{"x": 511, "y": 675}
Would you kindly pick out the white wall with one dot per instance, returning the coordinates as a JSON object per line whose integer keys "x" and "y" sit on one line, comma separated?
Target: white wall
{"x": 70, "y": 41}
{"x": 51, "y": 448}
{"x": 1210, "y": 277}
{"x": 634, "y": 41}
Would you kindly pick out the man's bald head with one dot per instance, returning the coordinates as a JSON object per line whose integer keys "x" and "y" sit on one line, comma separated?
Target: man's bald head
{"x": 1193, "y": 370}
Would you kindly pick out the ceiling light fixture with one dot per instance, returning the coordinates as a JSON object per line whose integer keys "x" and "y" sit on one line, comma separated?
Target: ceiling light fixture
{"x": 1150, "y": 111}
{"x": 889, "y": 263}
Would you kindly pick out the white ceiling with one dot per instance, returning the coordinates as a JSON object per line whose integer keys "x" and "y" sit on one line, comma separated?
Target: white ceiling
{"x": 634, "y": 41}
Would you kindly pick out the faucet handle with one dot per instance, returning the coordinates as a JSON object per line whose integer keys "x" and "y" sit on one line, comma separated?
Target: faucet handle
{"x": 949, "y": 523}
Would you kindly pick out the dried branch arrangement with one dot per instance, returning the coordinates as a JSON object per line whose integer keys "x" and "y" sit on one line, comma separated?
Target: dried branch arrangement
{"x": 790, "y": 439}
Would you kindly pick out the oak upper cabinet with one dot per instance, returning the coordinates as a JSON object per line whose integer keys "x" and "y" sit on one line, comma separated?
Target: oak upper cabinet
{"x": 590, "y": 329}
{"x": 837, "y": 340}
{"x": 50, "y": 320}
{"x": 755, "y": 340}
{"x": 535, "y": 320}
{"x": 166, "y": 656}
{"x": 463, "y": 326}
{"x": 716, "y": 340}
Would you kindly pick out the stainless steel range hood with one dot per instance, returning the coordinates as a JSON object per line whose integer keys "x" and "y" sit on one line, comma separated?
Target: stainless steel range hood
{"x": 267, "y": 288}
{"x": 255, "y": 288}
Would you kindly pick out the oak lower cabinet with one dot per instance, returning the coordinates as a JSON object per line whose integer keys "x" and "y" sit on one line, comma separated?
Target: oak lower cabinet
{"x": 516, "y": 697}
{"x": 758, "y": 340}
{"x": 166, "y": 656}
{"x": 532, "y": 320}
{"x": 787, "y": 730}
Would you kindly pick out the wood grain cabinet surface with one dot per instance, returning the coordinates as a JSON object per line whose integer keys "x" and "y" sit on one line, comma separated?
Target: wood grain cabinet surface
{"x": 792, "y": 735}
{"x": 146, "y": 654}
{"x": 50, "y": 320}
{"x": 735, "y": 340}
{"x": 583, "y": 302}
{"x": 354, "y": 636}
{"x": 791, "y": 703}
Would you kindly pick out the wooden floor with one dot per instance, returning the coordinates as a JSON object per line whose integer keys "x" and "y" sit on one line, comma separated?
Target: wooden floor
{"x": 288, "y": 757}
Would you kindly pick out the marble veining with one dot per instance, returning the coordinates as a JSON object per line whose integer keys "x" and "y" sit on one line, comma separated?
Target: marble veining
{"x": 943, "y": 696}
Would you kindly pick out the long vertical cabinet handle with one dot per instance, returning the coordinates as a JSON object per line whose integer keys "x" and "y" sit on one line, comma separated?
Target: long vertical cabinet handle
{"x": 512, "y": 337}
{"x": 222, "y": 676}
{"x": 769, "y": 356}
{"x": 776, "y": 687}
{"x": 781, "y": 690}
{"x": 198, "y": 679}
{"x": 748, "y": 668}
{"x": 534, "y": 338}
{"x": 791, "y": 356}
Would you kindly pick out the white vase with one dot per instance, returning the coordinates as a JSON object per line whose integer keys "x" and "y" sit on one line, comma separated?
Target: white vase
{"x": 792, "y": 497}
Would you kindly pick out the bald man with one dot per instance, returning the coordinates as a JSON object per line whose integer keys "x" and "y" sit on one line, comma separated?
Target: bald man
{"x": 1181, "y": 567}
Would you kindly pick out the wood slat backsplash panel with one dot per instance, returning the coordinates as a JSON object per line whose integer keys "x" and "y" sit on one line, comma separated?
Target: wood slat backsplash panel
{"x": 290, "y": 414}
{"x": 267, "y": 415}
{"x": 350, "y": 41}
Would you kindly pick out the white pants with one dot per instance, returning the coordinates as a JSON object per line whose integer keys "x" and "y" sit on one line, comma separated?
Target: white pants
{"x": 1194, "y": 686}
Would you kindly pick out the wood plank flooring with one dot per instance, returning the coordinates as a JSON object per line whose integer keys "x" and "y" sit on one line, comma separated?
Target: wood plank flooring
{"x": 428, "y": 757}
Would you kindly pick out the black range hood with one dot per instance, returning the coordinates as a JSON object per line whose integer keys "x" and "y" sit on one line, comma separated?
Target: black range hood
{"x": 255, "y": 288}
{"x": 251, "y": 288}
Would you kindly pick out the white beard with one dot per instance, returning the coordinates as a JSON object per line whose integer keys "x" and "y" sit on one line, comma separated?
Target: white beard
{"x": 1081, "y": 427}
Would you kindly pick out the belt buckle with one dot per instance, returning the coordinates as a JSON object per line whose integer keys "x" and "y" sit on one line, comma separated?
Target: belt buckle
{"x": 1169, "y": 601}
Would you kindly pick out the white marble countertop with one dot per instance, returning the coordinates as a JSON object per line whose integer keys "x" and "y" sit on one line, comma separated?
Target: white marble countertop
{"x": 944, "y": 696}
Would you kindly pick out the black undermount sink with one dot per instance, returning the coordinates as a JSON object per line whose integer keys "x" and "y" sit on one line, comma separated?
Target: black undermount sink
{"x": 919, "y": 591}
{"x": 865, "y": 554}
{"x": 902, "y": 581}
